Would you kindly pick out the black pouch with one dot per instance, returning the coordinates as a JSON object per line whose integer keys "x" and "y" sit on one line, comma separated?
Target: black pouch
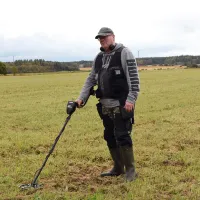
{"x": 98, "y": 93}
{"x": 99, "y": 109}
{"x": 129, "y": 126}
{"x": 127, "y": 115}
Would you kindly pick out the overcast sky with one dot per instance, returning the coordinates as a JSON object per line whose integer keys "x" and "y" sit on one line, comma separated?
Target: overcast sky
{"x": 63, "y": 30}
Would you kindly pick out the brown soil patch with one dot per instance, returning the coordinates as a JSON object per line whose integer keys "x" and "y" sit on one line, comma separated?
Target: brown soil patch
{"x": 84, "y": 179}
{"x": 173, "y": 163}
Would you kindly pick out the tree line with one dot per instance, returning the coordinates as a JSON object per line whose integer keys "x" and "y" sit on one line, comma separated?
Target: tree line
{"x": 185, "y": 60}
{"x": 40, "y": 65}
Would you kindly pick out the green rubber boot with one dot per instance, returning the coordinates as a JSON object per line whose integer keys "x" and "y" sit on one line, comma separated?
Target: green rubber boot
{"x": 128, "y": 160}
{"x": 118, "y": 167}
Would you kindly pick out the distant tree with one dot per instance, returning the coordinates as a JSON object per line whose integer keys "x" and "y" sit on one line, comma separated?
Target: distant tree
{"x": 14, "y": 70}
{"x": 18, "y": 62}
{"x": 3, "y": 69}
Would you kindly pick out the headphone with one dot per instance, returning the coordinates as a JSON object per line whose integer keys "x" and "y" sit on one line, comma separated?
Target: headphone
{"x": 111, "y": 47}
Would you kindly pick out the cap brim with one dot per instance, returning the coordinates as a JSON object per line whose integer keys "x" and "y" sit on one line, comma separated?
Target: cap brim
{"x": 102, "y": 34}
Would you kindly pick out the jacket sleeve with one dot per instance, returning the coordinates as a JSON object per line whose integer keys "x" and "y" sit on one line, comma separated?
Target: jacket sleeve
{"x": 130, "y": 68}
{"x": 89, "y": 83}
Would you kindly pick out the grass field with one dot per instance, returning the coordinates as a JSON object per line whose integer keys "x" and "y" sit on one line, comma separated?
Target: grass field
{"x": 166, "y": 139}
{"x": 146, "y": 67}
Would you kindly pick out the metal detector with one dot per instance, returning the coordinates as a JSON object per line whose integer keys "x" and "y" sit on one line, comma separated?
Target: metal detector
{"x": 71, "y": 107}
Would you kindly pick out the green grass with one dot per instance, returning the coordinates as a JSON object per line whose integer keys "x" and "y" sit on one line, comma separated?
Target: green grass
{"x": 166, "y": 139}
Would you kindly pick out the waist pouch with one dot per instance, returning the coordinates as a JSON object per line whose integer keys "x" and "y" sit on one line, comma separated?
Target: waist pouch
{"x": 127, "y": 115}
{"x": 99, "y": 109}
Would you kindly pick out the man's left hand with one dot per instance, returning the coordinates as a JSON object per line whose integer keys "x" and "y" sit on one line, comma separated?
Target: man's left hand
{"x": 129, "y": 106}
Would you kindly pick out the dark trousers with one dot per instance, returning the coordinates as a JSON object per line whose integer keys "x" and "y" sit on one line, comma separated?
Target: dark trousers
{"x": 117, "y": 128}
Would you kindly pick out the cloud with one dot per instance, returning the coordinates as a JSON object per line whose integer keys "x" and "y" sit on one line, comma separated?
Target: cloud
{"x": 44, "y": 47}
{"x": 65, "y": 30}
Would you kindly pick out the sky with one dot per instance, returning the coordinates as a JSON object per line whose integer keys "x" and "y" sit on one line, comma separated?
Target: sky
{"x": 63, "y": 30}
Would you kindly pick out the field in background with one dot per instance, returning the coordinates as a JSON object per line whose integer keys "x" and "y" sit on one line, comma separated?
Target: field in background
{"x": 146, "y": 67}
{"x": 161, "y": 67}
{"x": 166, "y": 139}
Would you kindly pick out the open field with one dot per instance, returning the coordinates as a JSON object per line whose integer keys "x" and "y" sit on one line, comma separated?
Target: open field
{"x": 166, "y": 139}
{"x": 161, "y": 67}
{"x": 146, "y": 67}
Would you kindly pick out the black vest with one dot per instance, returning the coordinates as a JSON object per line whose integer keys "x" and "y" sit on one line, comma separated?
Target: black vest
{"x": 112, "y": 82}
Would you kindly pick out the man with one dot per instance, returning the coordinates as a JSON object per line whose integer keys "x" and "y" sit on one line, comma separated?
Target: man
{"x": 115, "y": 72}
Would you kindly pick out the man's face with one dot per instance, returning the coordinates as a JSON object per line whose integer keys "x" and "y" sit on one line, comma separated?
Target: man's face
{"x": 106, "y": 41}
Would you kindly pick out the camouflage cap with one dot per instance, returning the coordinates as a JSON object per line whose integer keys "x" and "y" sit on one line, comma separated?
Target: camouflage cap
{"x": 104, "y": 31}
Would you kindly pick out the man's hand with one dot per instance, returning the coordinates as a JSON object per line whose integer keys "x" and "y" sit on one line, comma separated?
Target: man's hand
{"x": 129, "y": 106}
{"x": 79, "y": 102}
